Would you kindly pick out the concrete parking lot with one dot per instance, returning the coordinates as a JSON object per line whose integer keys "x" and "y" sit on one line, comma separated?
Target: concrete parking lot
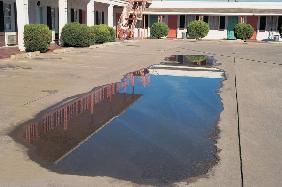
{"x": 249, "y": 155}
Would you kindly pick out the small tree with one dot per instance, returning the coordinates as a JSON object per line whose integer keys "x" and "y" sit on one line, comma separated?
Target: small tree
{"x": 198, "y": 29}
{"x": 37, "y": 37}
{"x": 159, "y": 30}
{"x": 244, "y": 31}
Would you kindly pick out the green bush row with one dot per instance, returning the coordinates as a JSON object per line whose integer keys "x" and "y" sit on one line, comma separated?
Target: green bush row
{"x": 37, "y": 37}
{"x": 80, "y": 35}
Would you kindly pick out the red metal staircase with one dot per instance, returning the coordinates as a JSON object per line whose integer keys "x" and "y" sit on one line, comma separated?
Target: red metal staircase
{"x": 132, "y": 18}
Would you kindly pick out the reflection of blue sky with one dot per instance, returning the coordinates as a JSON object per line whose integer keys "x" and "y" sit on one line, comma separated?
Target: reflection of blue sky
{"x": 163, "y": 135}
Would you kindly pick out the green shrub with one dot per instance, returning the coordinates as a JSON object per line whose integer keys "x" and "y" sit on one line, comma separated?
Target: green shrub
{"x": 112, "y": 34}
{"x": 244, "y": 31}
{"x": 76, "y": 35}
{"x": 196, "y": 58}
{"x": 92, "y": 36}
{"x": 159, "y": 30}
{"x": 102, "y": 33}
{"x": 198, "y": 29}
{"x": 37, "y": 37}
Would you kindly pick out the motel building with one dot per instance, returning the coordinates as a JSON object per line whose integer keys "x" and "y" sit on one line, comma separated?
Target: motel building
{"x": 222, "y": 16}
{"x": 14, "y": 14}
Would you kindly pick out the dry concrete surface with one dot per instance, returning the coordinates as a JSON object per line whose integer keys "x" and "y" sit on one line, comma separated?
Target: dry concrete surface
{"x": 30, "y": 85}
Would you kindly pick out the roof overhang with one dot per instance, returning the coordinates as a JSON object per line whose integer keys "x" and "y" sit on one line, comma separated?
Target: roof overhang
{"x": 214, "y": 8}
{"x": 213, "y": 11}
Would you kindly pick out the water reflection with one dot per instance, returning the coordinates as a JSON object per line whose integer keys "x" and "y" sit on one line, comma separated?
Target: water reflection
{"x": 153, "y": 127}
{"x": 57, "y": 130}
{"x": 190, "y": 60}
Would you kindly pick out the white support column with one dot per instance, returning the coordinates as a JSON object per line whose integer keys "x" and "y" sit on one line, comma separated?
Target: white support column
{"x": 90, "y": 13}
{"x": 22, "y": 20}
{"x": 63, "y": 15}
{"x": 110, "y": 15}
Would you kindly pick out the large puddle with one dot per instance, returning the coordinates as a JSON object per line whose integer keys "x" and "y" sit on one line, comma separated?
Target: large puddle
{"x": 155, "y": 126}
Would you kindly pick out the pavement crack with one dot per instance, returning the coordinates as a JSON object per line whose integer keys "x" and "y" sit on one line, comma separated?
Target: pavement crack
{"x": 238, "y": 128}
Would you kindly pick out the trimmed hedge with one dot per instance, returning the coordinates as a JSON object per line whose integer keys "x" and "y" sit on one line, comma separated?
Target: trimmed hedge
{"x": 159, "y": 30}
{"x": 244, "y": 31}
{"x": 102, "y": 33}
{"x": 80, "y": 35}
{"x": 37, "y": 37}
{"x": 198, "y": 29}
{"x": 76, "y": 35}
{"x": 112, "y": 34}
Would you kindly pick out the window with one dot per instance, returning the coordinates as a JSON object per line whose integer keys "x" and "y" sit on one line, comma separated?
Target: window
{"x": 103, "y": 18}
{"x": 76, "y": 15}
{"x": 206, "y": 19}
{"x": 262, "y": 23}
{"x": 146, "y": 19}
{"x": 271, "y": 23}
{"x": 214, "y": 22}
{"x": 80, "y": 16}
{"x": 222, "y": 23}
{"x": 197, "y": 17}
{"x": 53, "y": 15}
{"x": 182, "y": 21}
{"x": 279, "y": 23}
{"x": 97, "y": 18}
{"x": 7, "y": 17}
{"x": 189, "y": 19}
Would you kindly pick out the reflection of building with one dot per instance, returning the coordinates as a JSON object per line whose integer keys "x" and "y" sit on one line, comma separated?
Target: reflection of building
{"x": 186, "y": 71}
{"x": 14, "y": 14}
{"x": 265, "y": 17}
{"x": 62, "y": 127}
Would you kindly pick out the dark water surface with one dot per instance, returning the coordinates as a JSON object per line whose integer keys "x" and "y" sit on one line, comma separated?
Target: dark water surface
{"x": 163, "y": 132}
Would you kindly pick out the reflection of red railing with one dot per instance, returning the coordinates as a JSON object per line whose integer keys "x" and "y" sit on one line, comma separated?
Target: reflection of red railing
{"x": 61, "y": 115}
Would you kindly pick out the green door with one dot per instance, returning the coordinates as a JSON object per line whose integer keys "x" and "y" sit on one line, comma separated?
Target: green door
{"x": 153, "y": 19}
{"x": 232, "y": 21}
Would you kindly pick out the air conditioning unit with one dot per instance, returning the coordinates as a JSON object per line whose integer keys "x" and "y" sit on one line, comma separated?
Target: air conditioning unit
{"x": 12, "y": 39}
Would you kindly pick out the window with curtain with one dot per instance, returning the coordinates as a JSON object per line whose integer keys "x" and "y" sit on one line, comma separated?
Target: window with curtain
{"x": 8, "y": 16}
{"x": 214, "y": 22}
{"x": 271, "y": 23}
{"x": 189, "y": 19}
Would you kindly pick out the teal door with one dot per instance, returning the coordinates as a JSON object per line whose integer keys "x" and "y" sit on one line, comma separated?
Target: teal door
{"x": 232, "y": 21}
{"x": 153, "y": 19}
